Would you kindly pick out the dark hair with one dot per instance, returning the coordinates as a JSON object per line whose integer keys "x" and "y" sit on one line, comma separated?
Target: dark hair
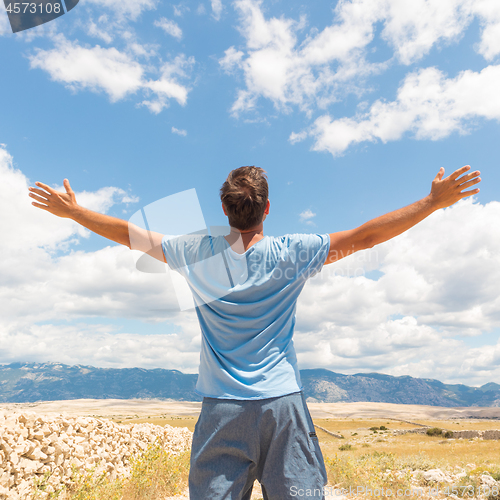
{"x": 244, "y": 195}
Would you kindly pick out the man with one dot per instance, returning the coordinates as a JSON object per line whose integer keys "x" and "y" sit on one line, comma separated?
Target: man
{"x": 254, "y": 422}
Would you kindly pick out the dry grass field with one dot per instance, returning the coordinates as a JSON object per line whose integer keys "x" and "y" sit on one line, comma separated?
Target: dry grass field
{"x": 365, "y": 454}
{"x": 372, "y": 452}
{"x": 357, "y": 433}
{"x": 445, "y": 452}
{"x": 181, "y": 421}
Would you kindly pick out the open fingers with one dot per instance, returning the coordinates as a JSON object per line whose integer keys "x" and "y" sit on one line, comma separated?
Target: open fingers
{"x": 469, "y": 176}
{"x": 39, "y": 205}
{"x": 44, "y": 186}
{"x": 468, "y": 193}
{"x": 439, "y": 175}
{"x": 459, "y": 172}
{"x": 470, "y": 183}
{"x": 39, "y": 198}
{"x": 67, "y": 186}
{"x": 39, "y": 192}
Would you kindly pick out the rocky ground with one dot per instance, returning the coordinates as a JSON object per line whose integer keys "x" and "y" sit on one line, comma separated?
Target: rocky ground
{"x": 34, "y": 445}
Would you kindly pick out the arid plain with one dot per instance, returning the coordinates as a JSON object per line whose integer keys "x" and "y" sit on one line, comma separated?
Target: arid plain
{"x": 364, "y": 444}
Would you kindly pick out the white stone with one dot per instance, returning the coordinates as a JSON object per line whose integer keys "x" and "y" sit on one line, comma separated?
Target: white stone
{"x": 5, "y": 479}
{"x": 489, "y": 481}
{"x": 14, "y": 458}
{"x": 437, "y": 475}
{"x": 32, "y": 445}
{"x": 37, "y": 434}
{"x": 37, "y": 454}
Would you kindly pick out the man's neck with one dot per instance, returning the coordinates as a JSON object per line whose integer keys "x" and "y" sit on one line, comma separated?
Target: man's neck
{"x": 241, "y": 241}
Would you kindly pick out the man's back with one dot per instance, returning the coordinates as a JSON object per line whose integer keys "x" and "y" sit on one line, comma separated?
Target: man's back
{"x": 246, "y": 308}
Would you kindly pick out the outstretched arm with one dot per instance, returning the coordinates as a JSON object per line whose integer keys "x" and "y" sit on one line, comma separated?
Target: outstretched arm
{"x": 114, "y": 229}
{"x": 444, "y": 192}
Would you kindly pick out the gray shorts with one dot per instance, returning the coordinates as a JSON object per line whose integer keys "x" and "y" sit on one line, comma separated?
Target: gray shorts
{"x": 272, "y": 440}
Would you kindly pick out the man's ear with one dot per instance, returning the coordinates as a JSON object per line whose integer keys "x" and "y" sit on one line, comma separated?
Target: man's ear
{"x": 266, "y": 211}
{"x": 224, "y": 209}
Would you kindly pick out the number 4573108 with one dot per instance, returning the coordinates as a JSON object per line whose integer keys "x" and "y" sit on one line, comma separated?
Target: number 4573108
{"x": 33, "y": 8}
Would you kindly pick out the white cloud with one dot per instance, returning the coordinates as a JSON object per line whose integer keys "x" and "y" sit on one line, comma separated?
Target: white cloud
{"x": 93, "y": 68}
{"x": 102, "y": 345}
{"x": 428, "y": 104}
{"x": 167, "y": 86}
{"x": 45, "y": 282}
{"x": 179, "y": 131}
{"x": 100, "y": 29}
{"x": 117, "y": 73}
{"x": 297, "y": 137}
{"x": 27, "y": 228}
{"x": 201, "y": 10}
{"x": 436, "y": 288}
{"x": 216, "y": 9}
{"x": 306, "y": 216}
{"x": 142, "y": 50}
{"x": 414, "y": 28}
{"x": 231, "y": 59}
{"x": 170, "y": 27}
{"x": 290, "y": 67}
{"x": 489, "y": 15}
{"x": 180, "y": 9}
{"x": 307, "y": 70}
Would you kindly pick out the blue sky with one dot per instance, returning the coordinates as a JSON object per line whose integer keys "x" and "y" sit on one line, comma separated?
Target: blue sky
{"x": 351, "y": 108}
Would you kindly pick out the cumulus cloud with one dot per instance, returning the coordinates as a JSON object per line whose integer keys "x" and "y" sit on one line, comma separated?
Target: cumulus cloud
{"x": 167, "y": 86}
{"x": 170, "y": 27}
{"x": 414, "y": 29}
{"x": 117, "y": 73}
{"x": 49, "y": 289}
{"x": 290, "y": 66}
{"x": 101, "y": 345}
{"x": 435, "y": 289}
{"x": 27, "y": 228}
{"x": 94, "y": 68}
{"x": 122, "y": 65}
{"x": 428, "y": 105}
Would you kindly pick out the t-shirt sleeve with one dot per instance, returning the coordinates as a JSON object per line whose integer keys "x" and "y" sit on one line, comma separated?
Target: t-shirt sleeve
{"x": 173, "y": 249}
{"x": 309, "y": 252}
{"x": 183, "y": 252}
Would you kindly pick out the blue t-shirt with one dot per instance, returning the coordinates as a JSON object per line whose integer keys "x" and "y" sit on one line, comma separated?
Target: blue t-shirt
{"x": 246, "y": 308}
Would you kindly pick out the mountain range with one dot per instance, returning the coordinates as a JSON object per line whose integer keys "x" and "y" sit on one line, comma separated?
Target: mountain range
{"x": 31, "y": 382}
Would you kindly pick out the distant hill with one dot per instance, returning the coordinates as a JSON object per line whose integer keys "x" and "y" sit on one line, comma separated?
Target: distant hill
{"x": 30, "y": 382}
{"x": 324, "y": 386}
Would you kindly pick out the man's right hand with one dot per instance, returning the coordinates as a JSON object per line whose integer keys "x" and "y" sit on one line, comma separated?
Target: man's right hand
{"x": 112, "y": 228}
{"x": 55, "y": 202}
